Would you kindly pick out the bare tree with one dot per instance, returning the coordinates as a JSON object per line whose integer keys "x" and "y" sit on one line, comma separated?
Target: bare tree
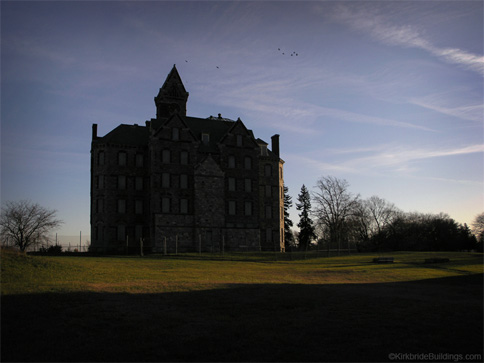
{"x": 382, "y": 213}
{"x": 478, "y": 227}
{"x": 25, "y": 223}
{"x": 333, "y": 206}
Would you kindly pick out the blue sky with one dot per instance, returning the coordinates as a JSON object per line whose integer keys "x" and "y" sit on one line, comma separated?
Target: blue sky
{"x": 387, "y": 95}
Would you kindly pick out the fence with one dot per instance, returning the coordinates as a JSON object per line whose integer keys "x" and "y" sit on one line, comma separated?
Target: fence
{"x": 69, "y": 243}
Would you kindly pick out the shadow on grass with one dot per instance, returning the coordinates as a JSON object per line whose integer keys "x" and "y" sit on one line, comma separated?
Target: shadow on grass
{"x": 270, "y": 322}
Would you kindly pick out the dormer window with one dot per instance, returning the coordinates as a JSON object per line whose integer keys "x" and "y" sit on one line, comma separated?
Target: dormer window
{"x": 205, "y": 138}
{"x": 263, "y": 150}
{"x": 175, "y": 134}
{"x": 239, "y": 140}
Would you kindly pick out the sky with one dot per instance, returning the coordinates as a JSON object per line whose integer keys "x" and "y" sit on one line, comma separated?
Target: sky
{"x": 386, "y": 95}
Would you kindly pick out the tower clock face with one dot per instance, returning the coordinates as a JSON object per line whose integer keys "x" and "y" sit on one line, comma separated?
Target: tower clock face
{"x": 173, "y": 107}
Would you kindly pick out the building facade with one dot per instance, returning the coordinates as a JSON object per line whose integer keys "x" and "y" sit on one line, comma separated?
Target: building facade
{"x": 181, "y": 183}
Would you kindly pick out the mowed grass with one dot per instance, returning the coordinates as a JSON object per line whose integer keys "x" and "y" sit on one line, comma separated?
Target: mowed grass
{"x": 239, "y": 307}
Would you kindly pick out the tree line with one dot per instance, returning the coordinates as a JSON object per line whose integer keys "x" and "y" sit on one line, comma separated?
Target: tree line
{"x": 333, "y": 218}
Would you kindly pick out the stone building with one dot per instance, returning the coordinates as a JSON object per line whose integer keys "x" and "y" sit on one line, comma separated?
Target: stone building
{"x": 181, "y": 183}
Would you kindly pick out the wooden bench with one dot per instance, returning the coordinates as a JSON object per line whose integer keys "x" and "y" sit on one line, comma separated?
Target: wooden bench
{"x": 383, "y": 260}
{"x": 436, "y": 260}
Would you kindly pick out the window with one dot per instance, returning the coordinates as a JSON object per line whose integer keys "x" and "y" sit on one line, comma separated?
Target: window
{"x": 139, "y": 183}
{"x": 248, "y": 185}
{"x": 232, "y": 207}
{"x": 138, "y": 207}
{"x": 100, "y": 206}
{"x": 268, "y": 189}
{"x": 232, "y": 184}
{"x": 248, "y": 208}
{"x": 100, "y": 182}
{"x": 99, "y": 232}
{"x": 268, "y": 211}
{"x": 100, "y": 158}
{"x": 121, "y": 206}
{"x": 231, "y": 161}
{"x": 183, "y": 181}
{"x": 165, "y": 180}
{"x": 183, "y": 206}
{"x": 138, "y": 232}
{"x": 268, "y": 235}
{"x": 122, "y": 158}
{"x": 175, "y": 134}
{"x": 247, "y": 162}
{"x": 268, "y": 170}
{"x": 121, "y": 182}
{"x": 139, "y": 160}
{"x": 205, "y": 138}
{"x": 166, "y": 156}
{"x": 239, "y": 140}
{"x": 121, "y": 233}
{"x": 165, "y": 205}
{"x": 184, "y": 157}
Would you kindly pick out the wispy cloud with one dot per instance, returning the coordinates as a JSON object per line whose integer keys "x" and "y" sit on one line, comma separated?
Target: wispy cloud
{"x": 397, "y": 157}
{"x": 379, "y": 159}
{"x": 279, "y": 103}
{"x": 381, "y": 29}
{"x": 467, "y": 112}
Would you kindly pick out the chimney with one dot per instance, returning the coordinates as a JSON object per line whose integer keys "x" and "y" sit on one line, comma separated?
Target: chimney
{"x": 275, "y": 144}
{"x": 94, "y": 131}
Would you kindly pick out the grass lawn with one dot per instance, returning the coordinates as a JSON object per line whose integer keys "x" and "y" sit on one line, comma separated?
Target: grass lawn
{"x": 240, "y": 307}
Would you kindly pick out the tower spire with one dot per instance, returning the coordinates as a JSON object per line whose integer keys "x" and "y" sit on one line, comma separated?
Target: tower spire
{"x": 172, "y": 97}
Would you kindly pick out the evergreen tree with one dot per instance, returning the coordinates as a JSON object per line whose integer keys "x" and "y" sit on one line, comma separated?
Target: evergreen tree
{"x": 306, "y": 227}
{"x": 288, "y": 236}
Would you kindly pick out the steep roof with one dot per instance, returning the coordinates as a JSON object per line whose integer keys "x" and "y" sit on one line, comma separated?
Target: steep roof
{"x": 138, "y": 136}
{"x": 174, "y": 77}
{"x": 130, "y": 135}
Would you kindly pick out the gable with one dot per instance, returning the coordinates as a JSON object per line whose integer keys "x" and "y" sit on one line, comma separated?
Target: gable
{"x": 239, "y": 135}
{"x": 165, "y": 130}
{"x": 209, "y": 167}
{"x": 214, "y": 128}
